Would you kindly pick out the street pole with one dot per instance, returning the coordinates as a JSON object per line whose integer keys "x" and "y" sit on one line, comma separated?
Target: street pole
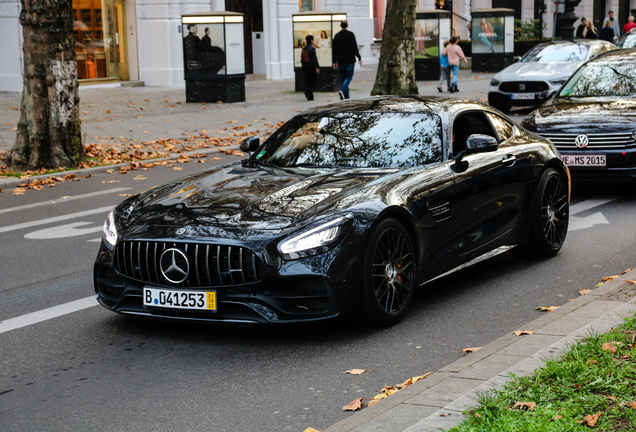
{"x": 568, "y": 19}
{"x": 541, "y": 12}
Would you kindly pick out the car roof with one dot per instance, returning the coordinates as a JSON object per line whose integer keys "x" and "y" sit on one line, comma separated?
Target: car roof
{"x": 574, "y": 42}
{"x": 619, "y": 55}
{"x": 398, "y": 104}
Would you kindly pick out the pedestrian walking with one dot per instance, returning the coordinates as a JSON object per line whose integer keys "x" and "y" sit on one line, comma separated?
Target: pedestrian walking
{"x": 445, "y": 73}
{"x": 310, "y": 66}
{"x": 344, "y": 53}
{"x": 590, "y": 31}
{"x": 454, "y": 53}
{"x": 630, "y": 24}
{"x": 613, "y": 23}
{"x": 581, "y": 28}
{"x": 607, "y": 32}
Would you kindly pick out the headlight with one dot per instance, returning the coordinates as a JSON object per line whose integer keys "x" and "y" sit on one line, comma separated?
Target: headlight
{"x": 316, "y": 240}
{"x": 110, "y": 231}
{"x": 495, "y": 82}
{"x": 558, "y": 82}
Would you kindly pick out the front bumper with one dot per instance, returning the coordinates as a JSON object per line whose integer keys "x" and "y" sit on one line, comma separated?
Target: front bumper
{"x": 500, "y": 98}
{"x": 308, "y": 289}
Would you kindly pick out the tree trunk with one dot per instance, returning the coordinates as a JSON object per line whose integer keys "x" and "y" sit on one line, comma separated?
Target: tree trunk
{"x": 49, "y": 132}
{"x": 396, "y": 69}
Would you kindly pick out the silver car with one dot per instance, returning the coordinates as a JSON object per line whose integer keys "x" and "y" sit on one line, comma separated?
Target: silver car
{"x": 545, "y": 67}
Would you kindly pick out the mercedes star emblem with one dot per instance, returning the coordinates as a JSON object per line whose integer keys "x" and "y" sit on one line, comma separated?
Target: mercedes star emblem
{"x": 581, "y": 141}
{"x": 181, "y": 231}
{"x": 522, "y": 87}
{"x": 174, "y": 265}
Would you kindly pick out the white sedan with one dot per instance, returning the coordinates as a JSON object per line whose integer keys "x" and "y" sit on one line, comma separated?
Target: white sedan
{"x": 544, "y": 68}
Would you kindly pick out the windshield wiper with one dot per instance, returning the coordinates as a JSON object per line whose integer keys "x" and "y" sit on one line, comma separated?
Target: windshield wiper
{"x": 309, "y": 165}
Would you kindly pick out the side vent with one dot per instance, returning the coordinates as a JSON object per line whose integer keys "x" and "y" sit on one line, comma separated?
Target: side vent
{"x": 440, "y": 211}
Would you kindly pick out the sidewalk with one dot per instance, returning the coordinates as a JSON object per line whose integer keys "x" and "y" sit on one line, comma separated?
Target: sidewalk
{"x": 436, "y": 403}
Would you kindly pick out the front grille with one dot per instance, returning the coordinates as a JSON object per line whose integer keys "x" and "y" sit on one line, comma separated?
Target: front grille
{"x": 604, "y": 141}
{"x": 210, "y": 265}
{"x": 523, "y": 86}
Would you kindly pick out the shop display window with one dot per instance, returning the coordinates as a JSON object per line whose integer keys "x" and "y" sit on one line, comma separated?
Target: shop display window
{"x": 94, "y": 28}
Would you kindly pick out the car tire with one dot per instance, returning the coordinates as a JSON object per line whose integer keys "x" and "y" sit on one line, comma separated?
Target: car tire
{"x": 389, "y": 274}
{"x": 550, "y": 215}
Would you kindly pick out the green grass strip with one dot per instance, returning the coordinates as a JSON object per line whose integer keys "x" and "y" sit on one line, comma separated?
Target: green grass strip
{"x": 585, "y": 381}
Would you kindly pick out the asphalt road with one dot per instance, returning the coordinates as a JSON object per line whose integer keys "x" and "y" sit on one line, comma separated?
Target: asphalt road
{"x": 95, "y": 370}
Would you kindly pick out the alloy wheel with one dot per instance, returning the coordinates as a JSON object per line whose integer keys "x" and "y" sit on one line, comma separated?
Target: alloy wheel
{"x": 392, "y": 271}
{"x": 554, "y": 211}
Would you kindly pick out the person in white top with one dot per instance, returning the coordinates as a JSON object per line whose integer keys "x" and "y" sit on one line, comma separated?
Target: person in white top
{"x": 615, "y": 26}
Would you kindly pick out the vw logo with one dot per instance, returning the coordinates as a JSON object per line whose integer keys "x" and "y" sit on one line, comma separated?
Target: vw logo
{"x": 181, "y": 231}
{"x": 581, "y": 141}
{"x": 174, "y": 265}
{"x": 522, "y": 87}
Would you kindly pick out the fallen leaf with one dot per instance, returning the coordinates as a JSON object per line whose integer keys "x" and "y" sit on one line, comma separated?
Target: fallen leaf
{"x": 585, "y": 291}
{"x": 477, "y": 415}
{"x": 610, "y": 278}
{"x": 556, "y": 417}
{"x": 609, "y": 347}
{"x": 632, "y": 405}
{"x": 353, "y": 406}
{"x": 591, "y": 362}
{"x": 310, "y": 429}
{"x": 546, "y": 308}
{"x": 631, "y": 282}
{"x": 65, "y": 197}
{"x": 471, "y": 350}
{"x": 612, "y": 398}
{"x": 355, "y": 371}
{"x": 124, "y": 195}
{"x": 445, "y": 415}
{"x": 371, "y": 403}
{"x": 109, "y": 171}
{"x": 111, "y": 181}
{"x": 107, "y": 111}
{"x": 19, "y": 191}
{"x": 15, "y": 108}
{"x": 523, "y": 332}
{"x": 218, "y": 158}
{"x": 530, "y": 405}
{"x": 590, "y": 420}
{"x": 87, "y": 176}
{"x": 628, "y": 270}
{"x": 15, "y": 129}
{"x": 177, "y": 168}
{"x": 599, "y": 284}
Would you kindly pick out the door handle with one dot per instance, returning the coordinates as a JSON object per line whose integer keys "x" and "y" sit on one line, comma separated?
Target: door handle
{"x": 509, "y": 160}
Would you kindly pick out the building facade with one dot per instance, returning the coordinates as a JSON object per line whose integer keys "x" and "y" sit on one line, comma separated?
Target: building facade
{"x": 120, "y": 40}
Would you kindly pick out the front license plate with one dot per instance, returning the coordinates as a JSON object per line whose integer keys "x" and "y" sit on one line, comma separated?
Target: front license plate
{"x": 193, "y": 300}
{"x": 522, "y": 96}
{"x": 584, "y": 160}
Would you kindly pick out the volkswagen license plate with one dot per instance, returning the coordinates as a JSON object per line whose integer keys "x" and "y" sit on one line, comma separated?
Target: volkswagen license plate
{"x": 584, "y": 160}
{"x": 193, "y": 300}
{"x": 523, "y": 96}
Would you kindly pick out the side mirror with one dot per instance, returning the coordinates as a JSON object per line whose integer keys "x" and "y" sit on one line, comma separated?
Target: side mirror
{"x": 477, "y": 143}
{"x": 250, "y": 144}
{"x": 546, "y": 94}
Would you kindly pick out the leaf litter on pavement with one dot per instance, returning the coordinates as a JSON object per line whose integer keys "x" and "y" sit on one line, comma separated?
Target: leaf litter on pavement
{"x": 385, "y": 392}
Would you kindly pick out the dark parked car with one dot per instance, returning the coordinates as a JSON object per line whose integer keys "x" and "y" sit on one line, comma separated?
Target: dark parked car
{"x": 628, "y": 40}
{"x": 346, "y": 209}
{"x": 545, "y": 67}
{"x": 592, "y": 119}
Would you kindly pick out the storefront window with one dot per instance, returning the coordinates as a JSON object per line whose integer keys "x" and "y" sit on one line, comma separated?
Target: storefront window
{"x": 306, "y": 5}
{"x": 95, "y": 45}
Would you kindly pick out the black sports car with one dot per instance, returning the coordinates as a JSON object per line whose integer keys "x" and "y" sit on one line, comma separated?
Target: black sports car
{"x": 592, "y": 119}
{"x": 347, "y": 208}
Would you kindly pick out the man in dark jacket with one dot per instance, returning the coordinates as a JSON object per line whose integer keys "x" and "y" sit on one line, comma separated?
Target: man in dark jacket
{"x": 344, "y": 53}
{"x": 311, "y": 68}
{"x": 581, "y": 27}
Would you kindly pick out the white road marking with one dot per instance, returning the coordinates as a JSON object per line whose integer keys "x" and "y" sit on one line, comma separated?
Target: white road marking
{"x": 55, "y": 219}
{"x": 579, "y": 223}
{"x": 47, "y": 314}
{"x": 591, "y": 203}
{"x": 63, "y": 231}
{"x": 97, "y": 240}
{"x": 60, "y": 201}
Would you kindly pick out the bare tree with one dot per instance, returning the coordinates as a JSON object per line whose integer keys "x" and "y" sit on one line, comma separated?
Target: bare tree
{"x": 396, "y": 69}
{"x": 49, "y": 132}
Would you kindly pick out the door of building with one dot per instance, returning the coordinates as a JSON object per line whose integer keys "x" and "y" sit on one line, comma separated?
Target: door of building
{"x": 623, "y": 13}
{"x": 120, "y": 40}
{"x": 599, "y": 14}
{"x": 245, "y": 7}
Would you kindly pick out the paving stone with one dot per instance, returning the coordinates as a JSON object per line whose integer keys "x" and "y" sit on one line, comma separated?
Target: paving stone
{"x": 566, "y": 325}
{"x": 437, "y": 422}
{"x": 530, "y": 344}
{"x": 399, "y": 418}
{"x": 489, "y": 367}
{"x": 596, "y": 309}
{"x": 445, "y": 392}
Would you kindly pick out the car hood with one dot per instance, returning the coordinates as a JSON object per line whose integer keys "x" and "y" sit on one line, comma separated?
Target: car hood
{"x": 261, "y": 198}
{"x": 595, "y": 115}
{"x": 536, "y": 71}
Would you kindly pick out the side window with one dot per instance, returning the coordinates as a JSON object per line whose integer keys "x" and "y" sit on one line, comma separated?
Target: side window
{"x": 596, "y": 50}
{"x": 504, "y": 130}
{"x": 466, "y": 125}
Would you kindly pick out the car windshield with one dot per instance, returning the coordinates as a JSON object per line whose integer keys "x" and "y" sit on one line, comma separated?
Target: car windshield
{"x": 628, "y": 41}
{"x": 556, "y": 53}
{"x": 355, "y": 139}
{"x": 602, "y": 79}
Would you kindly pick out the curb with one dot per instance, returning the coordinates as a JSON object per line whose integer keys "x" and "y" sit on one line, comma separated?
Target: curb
{"x": 437, "y": 402}
{"x": 14, "y": 181}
